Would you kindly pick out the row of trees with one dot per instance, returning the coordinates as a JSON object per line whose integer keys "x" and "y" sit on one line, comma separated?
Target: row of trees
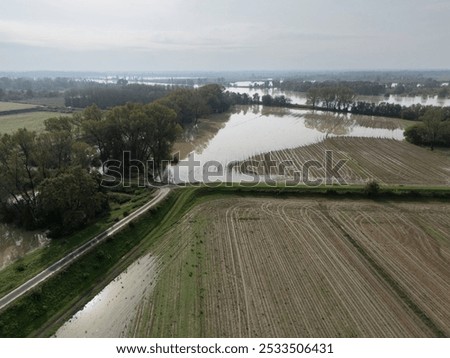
{"x": 338, "y": 98}
{"x": 108, "y": 96}
{"x": 189, "y": 103}
{"x": 429, "y": 87}
{"x": 343, "y": 99}
{"x": 412, "y": 113}
{"x": 23, "y": 88}
{"x": 276, "y": 101}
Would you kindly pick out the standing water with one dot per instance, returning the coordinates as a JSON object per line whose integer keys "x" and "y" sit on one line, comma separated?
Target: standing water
{"x": 252, "y": 130}
{"x": 112, "y": 312}
{"x": 300, "y": 97}
{"x": 15, "y": 243}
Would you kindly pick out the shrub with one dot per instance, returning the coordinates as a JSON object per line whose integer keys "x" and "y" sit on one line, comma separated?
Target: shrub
{"x": 372, "y": 188}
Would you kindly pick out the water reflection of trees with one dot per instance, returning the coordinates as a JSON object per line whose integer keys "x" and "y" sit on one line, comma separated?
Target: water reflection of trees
{"x": 199, "y": 135}
{"x": 329, "y": 123}
{"x": 262, "y": 110}
{"x": 341, "y": 124}
{"x": 275, "y": 111}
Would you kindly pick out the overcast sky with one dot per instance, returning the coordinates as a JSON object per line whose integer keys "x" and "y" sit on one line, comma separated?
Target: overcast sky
{"x": 155, "y": 35}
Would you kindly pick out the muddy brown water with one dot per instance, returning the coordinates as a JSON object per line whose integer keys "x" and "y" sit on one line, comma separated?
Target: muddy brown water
{"x": 252, "y": 130}
{"x": 15, "y": 243}
{"x": 111, "y": 313}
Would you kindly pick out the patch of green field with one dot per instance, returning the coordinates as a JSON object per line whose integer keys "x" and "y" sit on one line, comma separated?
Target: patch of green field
{"x": 33, "y": 121}
{"x": 12, "y": 106}
{"x": 185, "y": 259}
{"x": 47, "y": 101}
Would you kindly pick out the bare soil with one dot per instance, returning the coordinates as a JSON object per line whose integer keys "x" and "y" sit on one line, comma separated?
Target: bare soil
{"x": 384, "y": 160}
{"x": 303, "y": 268}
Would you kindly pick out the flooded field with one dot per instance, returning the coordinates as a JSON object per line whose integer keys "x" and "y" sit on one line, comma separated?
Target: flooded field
{"x": 300, "y": 98}
{"x": 15, "y": 243}
{"x": 252, "y": 130}
{"x": 112, "y": 311}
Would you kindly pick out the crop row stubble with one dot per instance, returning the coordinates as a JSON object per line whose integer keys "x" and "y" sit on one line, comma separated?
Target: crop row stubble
{"x": 281, "y": 268}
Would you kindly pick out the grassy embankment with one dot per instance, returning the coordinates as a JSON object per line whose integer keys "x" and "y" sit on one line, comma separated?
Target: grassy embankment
{"x": 41, "y": 312}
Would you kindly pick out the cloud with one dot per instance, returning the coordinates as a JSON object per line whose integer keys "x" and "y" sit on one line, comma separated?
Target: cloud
{"x": 96, "y": 38}
{"x": 231, "y": 33}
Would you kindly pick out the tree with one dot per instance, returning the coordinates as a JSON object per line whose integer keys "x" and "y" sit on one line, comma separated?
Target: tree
{"x": 372, "y": 188}
{"x": 18, "y": 177}
{"x": 267, "y": 100}
{"x": 161, "y": 132}
{"x": 214, "y": 97}
{"x": 188, "y": 104}
{"x": 313, "y": 97}
{"x": 70, "y": 200}
{"x": 147, "y": 132}
{"x": 344, "y": 97}
{"x": 432, "y": 120}
{"x": 415, "y": 134}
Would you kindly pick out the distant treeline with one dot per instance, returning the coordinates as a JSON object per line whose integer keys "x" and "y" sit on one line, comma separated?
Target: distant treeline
{"x": 18, "y": 89}
{"x": 342, "y": 99}
{"x": 383, "y": 109}
{"x": 428, "y": 87}
{"x": 266, "y": 100}
{"x": 107, "y": 96}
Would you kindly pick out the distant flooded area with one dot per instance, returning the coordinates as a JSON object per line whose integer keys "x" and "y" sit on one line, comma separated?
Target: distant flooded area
{"x": 15, "y": 243}
{"x": 300, "y": 98}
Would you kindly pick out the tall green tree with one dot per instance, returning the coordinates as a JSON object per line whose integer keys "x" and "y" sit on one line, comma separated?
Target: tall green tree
{"x": 70, "y": 200}
{"x": 432, "y": 120}
{"x": 18, "y": 176}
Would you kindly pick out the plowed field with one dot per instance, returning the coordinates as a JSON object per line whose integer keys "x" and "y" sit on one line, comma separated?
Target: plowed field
{"x": 387, "y": 161}
{"x": 253, "y": 267}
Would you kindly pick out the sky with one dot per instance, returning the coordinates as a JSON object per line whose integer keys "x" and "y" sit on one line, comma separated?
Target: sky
{"x": 223, "y": 35}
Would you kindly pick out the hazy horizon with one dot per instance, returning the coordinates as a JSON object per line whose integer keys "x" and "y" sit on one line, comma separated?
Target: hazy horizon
{"x": 201, "y": 35}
